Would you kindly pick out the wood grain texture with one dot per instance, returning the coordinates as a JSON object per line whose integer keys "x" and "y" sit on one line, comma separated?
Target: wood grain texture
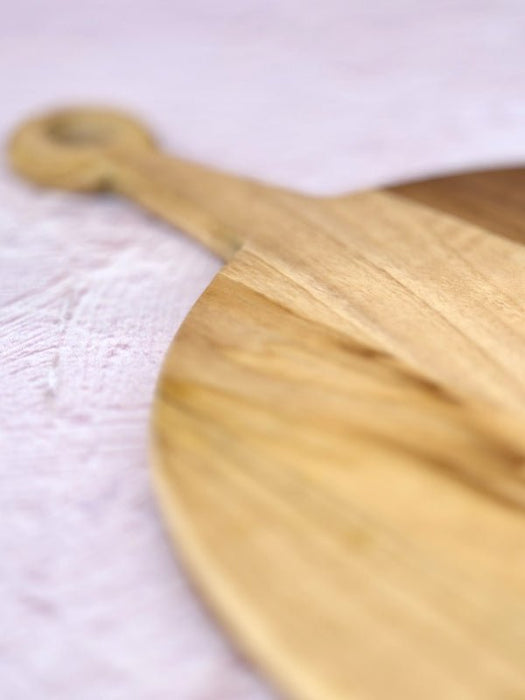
{"x": 338, "y": 427}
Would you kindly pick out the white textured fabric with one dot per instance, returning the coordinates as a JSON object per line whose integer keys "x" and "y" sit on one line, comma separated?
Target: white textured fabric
{"x": 323, "y": 96}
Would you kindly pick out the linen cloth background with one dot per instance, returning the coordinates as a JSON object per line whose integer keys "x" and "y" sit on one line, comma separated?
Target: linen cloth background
{"x": 323, "y": 96}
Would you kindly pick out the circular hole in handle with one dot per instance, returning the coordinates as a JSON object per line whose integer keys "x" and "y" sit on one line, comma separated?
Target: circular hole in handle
{"x": 70, "y": 148}
{"x": 82, "y": 131}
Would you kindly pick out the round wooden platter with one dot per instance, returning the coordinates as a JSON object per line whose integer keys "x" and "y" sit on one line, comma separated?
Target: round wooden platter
{"x": 338, "y": 441}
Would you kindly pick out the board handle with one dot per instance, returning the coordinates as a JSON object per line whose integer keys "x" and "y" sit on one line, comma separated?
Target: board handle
{"x": 90, "y": 149}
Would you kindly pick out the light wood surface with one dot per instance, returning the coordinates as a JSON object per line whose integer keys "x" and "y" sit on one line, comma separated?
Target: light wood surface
{"x": 338, "y": 439}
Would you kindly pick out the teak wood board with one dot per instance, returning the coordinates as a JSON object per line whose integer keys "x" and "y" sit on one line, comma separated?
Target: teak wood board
{"x": 338, "y": 436}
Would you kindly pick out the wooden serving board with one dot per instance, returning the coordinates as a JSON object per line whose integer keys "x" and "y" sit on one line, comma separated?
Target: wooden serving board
{"x": 338, "y": 428}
